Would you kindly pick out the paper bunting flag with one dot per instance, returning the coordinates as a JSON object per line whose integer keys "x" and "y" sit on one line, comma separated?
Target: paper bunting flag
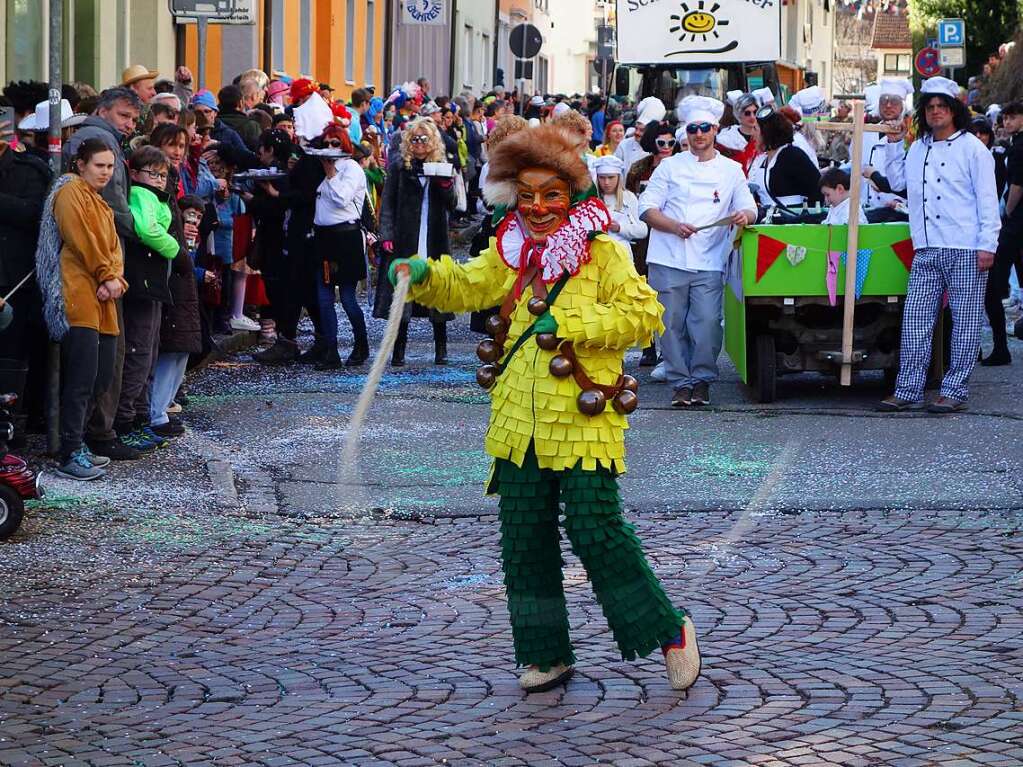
{"x": 768, "y": 250}
{"x": 904, "y": 250}
{"x": 862, "y": 267}
{"x": 795, "y": 254}
{"x": 833, "y": 258}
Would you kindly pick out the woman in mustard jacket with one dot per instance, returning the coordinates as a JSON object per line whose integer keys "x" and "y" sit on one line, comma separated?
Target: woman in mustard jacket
{"x": 571, "y": 305}
{"x": 81, "y": 272}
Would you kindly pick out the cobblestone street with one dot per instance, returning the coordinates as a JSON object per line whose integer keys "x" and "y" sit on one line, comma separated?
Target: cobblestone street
{"x": 233, "y": 602}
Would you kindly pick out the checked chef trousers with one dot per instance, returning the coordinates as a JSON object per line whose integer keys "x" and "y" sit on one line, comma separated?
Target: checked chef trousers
{"x": 935, "y": 271}
{"x": 637, "y": 610}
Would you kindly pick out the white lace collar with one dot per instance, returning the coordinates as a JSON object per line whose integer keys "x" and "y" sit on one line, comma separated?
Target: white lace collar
{"x": 567, "y": 249}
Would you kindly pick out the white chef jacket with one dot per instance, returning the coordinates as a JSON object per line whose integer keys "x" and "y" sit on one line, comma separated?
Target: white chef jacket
{"x": 875, "y": 153}
{"x": 697, "y": 193}
{"x": 839, "y": 214}
{"x": 953, "y": 202}
{"x": 627, "y": 218}
{"x": 629, "y": 151}
{"x": 339, "y": 200}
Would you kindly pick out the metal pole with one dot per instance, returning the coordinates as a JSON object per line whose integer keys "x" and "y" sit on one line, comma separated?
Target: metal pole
{"x": 56, "y": 82}
{"x": 200, "y": 24}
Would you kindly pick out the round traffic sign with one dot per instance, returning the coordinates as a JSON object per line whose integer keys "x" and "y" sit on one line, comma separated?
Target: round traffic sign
{"x": 525, "y": 41}
{"x": 928, "y": 62}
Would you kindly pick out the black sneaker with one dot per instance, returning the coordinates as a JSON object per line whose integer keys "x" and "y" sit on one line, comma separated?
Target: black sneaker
{"x": 701, "y": 393}
{"x": 114, "y": 449}
{"x": 168, "y": 430}
{"x": 683, "y": 397}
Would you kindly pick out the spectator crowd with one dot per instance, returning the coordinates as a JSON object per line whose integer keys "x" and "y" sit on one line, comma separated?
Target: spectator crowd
{"x": 182, "y": 216}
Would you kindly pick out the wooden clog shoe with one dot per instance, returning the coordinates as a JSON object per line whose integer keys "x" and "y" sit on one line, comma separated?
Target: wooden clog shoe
{"x": 535, "y": 680}
{"x": 682, "y": 657}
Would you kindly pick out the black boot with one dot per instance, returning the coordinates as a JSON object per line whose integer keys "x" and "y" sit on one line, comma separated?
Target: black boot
{"x": 440, "y": 343}
{"x": 649, "y": 358}
{"x": 997, "y": 358}
{"x": 330, "y": 360}
{"x": 398, "y": 355}
{"x": 281, "y": 352}
{"x": 315, "y": 352}
{"x": 360, "y": 352}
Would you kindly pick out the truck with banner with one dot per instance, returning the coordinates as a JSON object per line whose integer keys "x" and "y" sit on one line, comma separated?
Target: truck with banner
{"x": 675, "y": 48}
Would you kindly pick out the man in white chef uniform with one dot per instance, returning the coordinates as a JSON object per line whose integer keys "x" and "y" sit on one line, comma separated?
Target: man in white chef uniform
{"x": 954, "y": 221}
{"x": 893, "y": 104}
{"x": 687, "y": 195}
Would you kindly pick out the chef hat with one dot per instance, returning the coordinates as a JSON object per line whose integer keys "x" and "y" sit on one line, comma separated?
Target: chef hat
{"x": 896, "y": 86}
{"x": 536, "y": 101}
{"x": 650, "y": 110}
{"x": 763, "y": 96}
{"x": 810, "y": 101}
{"x": 699, "y": 109}
{"x": 608, "y": 165}
{"x": 732, "y": 97}
{"x": 680, "y": 136}
{"x": 872, "y": 94}
{"x": 940, "y": 86}
{"x": 993, "y": 112}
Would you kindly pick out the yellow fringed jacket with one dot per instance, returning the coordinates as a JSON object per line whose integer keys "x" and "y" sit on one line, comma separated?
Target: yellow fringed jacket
{"x": 604, "y": 309}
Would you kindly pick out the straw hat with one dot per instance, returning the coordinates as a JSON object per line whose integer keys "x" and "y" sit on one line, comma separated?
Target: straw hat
{"x": 137, "y": 72}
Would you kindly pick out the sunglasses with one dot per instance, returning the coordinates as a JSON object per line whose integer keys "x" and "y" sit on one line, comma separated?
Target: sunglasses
{"x": 704, "y": 127}
{"x": 419, "y": 140}
{"x": 334, "y": 143}
{"x": 749, "y": 112}
{"x": 665, "y": 143}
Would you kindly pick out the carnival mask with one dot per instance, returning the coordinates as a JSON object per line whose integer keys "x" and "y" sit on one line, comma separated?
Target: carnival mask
{"x": 543, "y": 201}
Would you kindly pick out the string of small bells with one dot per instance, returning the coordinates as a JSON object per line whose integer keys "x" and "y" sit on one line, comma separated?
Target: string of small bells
{"x": 591, "y": 400}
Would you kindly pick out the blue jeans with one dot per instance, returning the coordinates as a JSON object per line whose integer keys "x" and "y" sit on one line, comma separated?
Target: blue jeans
{"x": 168, "y": 373}
{"x": 328, "y": 316}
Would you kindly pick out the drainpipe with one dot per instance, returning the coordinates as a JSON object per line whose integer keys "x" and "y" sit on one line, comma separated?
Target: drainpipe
{"x": 454, "y": 40}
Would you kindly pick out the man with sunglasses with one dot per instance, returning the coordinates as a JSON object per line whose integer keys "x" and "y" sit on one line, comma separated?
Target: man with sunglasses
{"x": 691, "y": 204}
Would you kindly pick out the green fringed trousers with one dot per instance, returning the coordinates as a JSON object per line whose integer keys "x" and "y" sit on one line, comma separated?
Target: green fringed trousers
{"x": 637, "y": 610}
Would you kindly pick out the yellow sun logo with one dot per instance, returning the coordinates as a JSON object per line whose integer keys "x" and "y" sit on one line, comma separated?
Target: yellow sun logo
{"x": 697, "y": 22}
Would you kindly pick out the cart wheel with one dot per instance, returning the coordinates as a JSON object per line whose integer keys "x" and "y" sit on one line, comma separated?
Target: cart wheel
{"x": 12, "y": 509}
{"x": 767, "y": 369}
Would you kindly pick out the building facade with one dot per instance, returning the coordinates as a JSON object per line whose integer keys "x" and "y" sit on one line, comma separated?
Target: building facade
{"x": 807, "y": 45}
{"x": 571, "y": 45}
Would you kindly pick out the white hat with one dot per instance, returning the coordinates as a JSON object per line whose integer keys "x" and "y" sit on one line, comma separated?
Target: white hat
{"x": 536, "y": 101}
{"x": 429, "y": 108}
{"x": 40, "y": 121}
{"x": 872, "y": 95}
{"x": 533, "y": 122}
{"x": 608, "y": 165}
{"x": 699, "y": 109}
{"x": 993, "y": 112}
{"x": 167, "y": 98}
{"x": 560, "y": 108}
{"x": 896, "y": 86}
{"x": 680, "y": 135}
{"x": 764, "y": 96}
{"x": 732, "y": 97}
{"x": 74, "y": 121}
{"x": 810, "y": 101}
{"x": 650, "y": 110}
{"x": 940, "y": 86}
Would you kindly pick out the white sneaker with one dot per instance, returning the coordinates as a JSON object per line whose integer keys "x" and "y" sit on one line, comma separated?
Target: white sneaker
{"x": 244, "y": 323}
{"x": 535, "y": 680}
{"x": 659, "y": 373}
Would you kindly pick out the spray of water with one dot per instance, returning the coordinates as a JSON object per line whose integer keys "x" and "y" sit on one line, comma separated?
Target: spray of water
{"x": 348, "y": 461}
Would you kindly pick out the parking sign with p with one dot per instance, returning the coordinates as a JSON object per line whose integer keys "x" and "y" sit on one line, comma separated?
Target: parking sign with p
{"x": 951, "y": 32}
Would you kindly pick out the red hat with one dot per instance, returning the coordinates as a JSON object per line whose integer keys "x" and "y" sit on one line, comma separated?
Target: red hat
{"x": 302, "y": 88}
{"x": 341, "y": 113}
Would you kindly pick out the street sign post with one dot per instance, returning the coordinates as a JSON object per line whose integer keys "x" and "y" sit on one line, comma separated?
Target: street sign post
{"x": 928, "y": 62}
{"x": 953, "y": 58}
{"x": 525, "y": 41}
{"x": 204, "y": 11}
{"x": 951, "y": 33}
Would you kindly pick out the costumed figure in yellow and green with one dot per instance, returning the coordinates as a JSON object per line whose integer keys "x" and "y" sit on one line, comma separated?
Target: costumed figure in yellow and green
{"x": 571, "y": 305}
